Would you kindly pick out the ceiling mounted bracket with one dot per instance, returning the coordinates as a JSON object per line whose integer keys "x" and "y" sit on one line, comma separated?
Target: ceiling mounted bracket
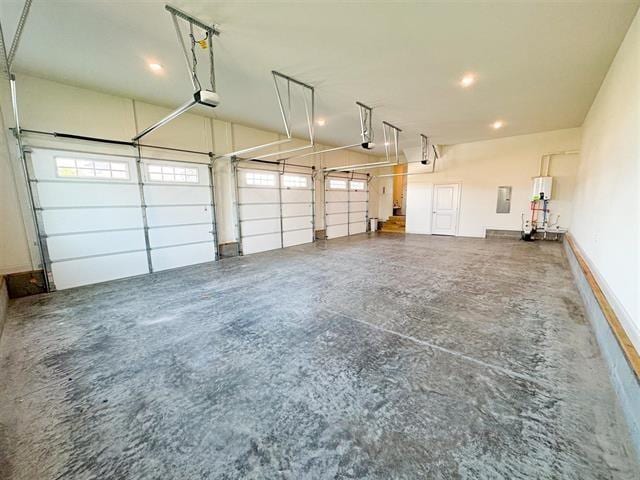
{"x": 391, "y": 139}
{"x": 366, "y": 127}
{"x": 307, "y": 93}
{"x": 207, "y": 97}
{"x": 366, "y": 136}
{"x": 424, "y": 150}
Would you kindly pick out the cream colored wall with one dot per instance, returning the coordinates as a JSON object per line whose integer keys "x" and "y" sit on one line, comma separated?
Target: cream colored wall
{"x": 51, "y": 106}
{"x": 480, "y": 167}
{"x": 607, "y": 199}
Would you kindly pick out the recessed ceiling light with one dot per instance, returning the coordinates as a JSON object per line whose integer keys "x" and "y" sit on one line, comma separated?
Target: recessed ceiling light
{"x": 321, "y": 122}
{"x": 468, "y": 80}
{"x": 155, "y": 67}
{"x": 497, "y": 124}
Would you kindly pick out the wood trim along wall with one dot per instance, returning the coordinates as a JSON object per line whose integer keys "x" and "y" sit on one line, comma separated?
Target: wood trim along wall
{"x": 629, "y": 350}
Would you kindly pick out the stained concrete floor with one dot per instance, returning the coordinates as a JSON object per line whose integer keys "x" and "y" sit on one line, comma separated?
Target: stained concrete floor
{"x": 366, "y": 357}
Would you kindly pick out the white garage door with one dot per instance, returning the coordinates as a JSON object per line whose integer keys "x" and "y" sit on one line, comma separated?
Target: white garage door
{"x": 93, "y": 220}
{"x": 275, "y": 209}
{"x": 91, "y": 216}
{"x": 179, "y": 208}
{"x": 345, "y": 206}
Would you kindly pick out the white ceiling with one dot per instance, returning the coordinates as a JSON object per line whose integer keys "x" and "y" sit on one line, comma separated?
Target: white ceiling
{"x": 539, "y": 64}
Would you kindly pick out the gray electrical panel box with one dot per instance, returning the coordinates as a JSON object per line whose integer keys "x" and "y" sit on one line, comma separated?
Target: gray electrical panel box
{"x": 504, "y": 200}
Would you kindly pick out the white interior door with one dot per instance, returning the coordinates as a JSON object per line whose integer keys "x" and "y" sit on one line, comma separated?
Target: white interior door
{"x": 91, "y": 216}
{"x": 180, "y": 215}
{"x": 445, "y": 209}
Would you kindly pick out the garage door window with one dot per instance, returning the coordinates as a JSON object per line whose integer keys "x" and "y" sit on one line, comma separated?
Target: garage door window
{"x": 261, "y": 179}
{"x": 337, "y": 184}
{"x": 168, "y": 174}
{"x": 357, "y": 185}
{"x": 80, "y": 168}
{"x": 294, "y": 181}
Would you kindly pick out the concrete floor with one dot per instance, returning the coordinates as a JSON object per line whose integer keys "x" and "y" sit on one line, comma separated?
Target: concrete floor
{"x": 366, "y": 357}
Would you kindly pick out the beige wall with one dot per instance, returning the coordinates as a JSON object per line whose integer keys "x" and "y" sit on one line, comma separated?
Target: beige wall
{"x": 607, "y": 199}
{"x": 52, "y": 106}
{"x": 481, "y": 167}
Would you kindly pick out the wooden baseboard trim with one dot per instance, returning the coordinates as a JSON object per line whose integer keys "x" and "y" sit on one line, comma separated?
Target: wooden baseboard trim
{"x": 629, "y": 350}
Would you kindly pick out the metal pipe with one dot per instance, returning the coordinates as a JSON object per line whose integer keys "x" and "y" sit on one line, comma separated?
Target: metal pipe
{"x": 184, "y": 50}
{"x": 5, "y": 59}
{"x": 291, "y": 79}
{"x": 310, "y": 154}
{"x": 111, "y": 141}
{"x": 212, "y": 29}
{"x": 274, "y": 154}
{"x": 167, "y": 119}
{"x": 285, "y": 120}
{"x": 357, "y": 165}
{"x": 253, "y": 149}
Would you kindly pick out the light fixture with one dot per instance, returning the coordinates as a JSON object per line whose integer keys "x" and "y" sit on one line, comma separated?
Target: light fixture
{"x": 321, "y": 122}
{"x": 155, "y": 67}
{"x": 497, "y": 124}
{"x": 386, "y": 144}
{"x": 468, "y": 80}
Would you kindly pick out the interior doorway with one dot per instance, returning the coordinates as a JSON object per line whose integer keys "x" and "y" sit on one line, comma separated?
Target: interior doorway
{"x": 446, "y": 201}
{"x": 396, "y": 222}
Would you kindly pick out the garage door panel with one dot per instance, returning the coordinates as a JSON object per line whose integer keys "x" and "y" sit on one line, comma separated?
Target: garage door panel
{"x": 337, "y": 218}
{"x": 86, "y": 244}
{"x": 298, "y": 237}
{"x": 331, "y": 208}
{"x": 89, "y": 219}
{"x": 85, "y": 271}
{"x": 261, "y": 243}
{"x": 165, "y": 216}
{"x": 290, "y": 196}
{"x": 182, "y": 255}
{"x": 166, "y": 236}
{"x": 296, "y": 223}
{"x": 358, "y": 206}
{"x": 248, "y": 212}
{"x": 355, "y": 228}
{"x": 176, "y": 195}
{"x": 358, "y": 217}
{"x": 256, "y": 227}
{"x": 358, "y": 196}
{"x": 336, "y": 196}
{"x": 334, "y": 231}
{"x": 297, "y": 209}
{"x": 259, "y": 195}
{"x": 89, "y": 194}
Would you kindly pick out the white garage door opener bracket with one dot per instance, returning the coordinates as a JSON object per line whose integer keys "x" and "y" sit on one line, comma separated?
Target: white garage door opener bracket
{"x": 206, "y": 97}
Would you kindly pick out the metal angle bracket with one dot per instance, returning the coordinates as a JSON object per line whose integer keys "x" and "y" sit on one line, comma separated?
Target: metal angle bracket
{"x": 391, "y": 134}
{"x": 286, "y": 112}
{"x": 366, "y": 134}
